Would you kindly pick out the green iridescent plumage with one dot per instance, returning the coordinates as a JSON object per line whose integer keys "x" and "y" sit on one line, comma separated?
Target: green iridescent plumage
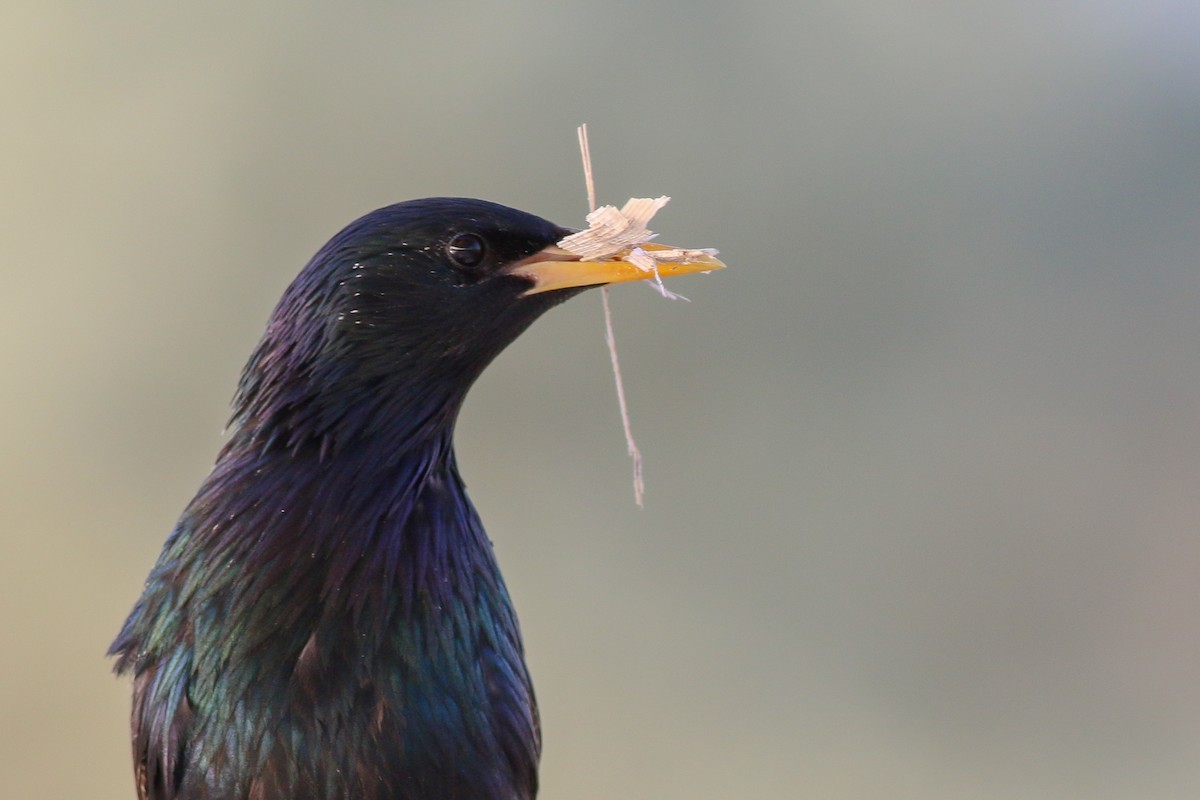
{"x": 327, "y": 620}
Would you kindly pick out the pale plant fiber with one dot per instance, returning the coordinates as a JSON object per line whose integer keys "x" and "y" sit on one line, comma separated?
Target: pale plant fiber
{"x": 611, "y": 232}
{"x": 639, "y": 485}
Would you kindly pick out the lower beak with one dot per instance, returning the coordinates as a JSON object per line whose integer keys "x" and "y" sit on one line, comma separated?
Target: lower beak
{"x": 555, "y": 268}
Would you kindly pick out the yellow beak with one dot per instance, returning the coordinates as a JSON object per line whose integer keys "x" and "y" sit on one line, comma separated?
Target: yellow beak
{"x": 555, "y": 268}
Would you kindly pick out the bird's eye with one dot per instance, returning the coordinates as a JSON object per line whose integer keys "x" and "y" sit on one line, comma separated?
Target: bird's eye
{"x": 466, "y": 250}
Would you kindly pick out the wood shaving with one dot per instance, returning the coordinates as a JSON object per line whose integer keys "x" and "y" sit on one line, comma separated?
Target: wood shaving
{"x": 613, "y": 232}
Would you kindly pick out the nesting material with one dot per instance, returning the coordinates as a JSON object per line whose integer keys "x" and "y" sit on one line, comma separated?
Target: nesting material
{"x": 614, "y": 232}
{"x": 611, "y": 230}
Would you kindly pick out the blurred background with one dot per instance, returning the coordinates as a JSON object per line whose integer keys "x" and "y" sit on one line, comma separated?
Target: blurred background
{"x": 922, "y": 465}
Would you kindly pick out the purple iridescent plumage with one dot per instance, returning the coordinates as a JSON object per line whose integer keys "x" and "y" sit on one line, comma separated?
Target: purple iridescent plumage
{"x": 327, "y": 620}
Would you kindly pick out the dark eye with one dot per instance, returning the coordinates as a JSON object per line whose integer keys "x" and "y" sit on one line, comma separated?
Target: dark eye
{"x": 466, "y": 250}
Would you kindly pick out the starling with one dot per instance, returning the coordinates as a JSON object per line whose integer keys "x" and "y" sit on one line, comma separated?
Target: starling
{"x": 327, "y": 620}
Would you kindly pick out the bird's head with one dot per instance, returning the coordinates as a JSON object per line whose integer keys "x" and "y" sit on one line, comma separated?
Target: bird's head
{"x": 398, "y": 314}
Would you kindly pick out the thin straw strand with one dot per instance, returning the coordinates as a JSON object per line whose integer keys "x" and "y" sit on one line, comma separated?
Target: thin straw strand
{"x": 639, "y": 486}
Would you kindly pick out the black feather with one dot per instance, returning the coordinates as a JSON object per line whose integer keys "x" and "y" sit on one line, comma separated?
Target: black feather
{"x": 327, "y": 619}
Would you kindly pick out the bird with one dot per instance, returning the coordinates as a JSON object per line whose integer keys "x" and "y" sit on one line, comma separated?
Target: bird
{"x": 327, "y": 619}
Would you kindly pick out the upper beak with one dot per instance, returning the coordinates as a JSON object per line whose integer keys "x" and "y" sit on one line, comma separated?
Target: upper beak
{"x": 556, "y": 268}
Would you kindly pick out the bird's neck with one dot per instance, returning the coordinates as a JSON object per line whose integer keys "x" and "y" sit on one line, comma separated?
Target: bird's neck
{"x": 375, "y": 529}
{"x": 348, "y": 607}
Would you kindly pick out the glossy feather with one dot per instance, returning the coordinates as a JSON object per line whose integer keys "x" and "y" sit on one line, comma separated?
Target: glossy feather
{"x": 327, "y": 619}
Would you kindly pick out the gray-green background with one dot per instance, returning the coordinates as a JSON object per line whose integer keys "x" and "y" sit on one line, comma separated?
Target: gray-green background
{"x": 923, "y": 464}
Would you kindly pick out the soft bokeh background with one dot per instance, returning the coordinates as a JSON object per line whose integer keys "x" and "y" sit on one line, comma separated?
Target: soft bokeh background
{"x": 923, "y": 464}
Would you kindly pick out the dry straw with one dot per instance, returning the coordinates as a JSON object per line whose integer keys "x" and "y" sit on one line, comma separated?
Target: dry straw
{"x": 612, "y": 232}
